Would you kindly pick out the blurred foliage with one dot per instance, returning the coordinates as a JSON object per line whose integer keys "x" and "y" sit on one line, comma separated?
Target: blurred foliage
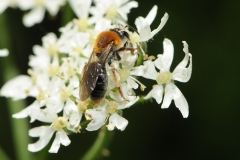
{"x": 211, "y": 28}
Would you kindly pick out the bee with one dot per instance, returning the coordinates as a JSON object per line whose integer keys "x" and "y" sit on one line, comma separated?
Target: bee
{"x": 106, "y": 49}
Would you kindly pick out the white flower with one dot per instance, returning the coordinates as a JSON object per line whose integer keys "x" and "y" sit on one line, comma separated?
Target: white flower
{"x": 56, "y": 70}
{"x": 76, "y": 44}
{"x": 19, "y": 87}
{"x": 143, "y": 26}
{"x": 97, "y": 117}
{"x": 38, "y": 7}
{"x": 7, "y": 3}
{"x": 46, "y": 59}
{"x": 45, "y": 133}
{"x": 4, "y": 52}
{"x": 114, "y": 10}
{"x": 128, "y": 94}
{"x": 81, "y": 7}
{"x": 4, "y": 5}
{"x": 117, "y": 121}
{"x": 101, "y": 113}
{"x": 74, "y": 114}
{"x": 165, "y": 78}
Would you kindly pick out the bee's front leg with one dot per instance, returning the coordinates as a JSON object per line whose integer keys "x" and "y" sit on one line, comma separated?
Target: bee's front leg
{"x": 132, "y": 50}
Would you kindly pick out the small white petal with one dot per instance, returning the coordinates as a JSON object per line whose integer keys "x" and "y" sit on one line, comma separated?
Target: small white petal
{"x": 26, "y": 111}
{"x": 181, "y": 73}
{"x": 17, "y": 88}
{"x": 185, "y": 47}
{"x": 138, "y": 71}
{"x": 55, "y": 145}
{"x": 117, "y": 121}
{"x": 34, "y": 16}
{"x": 74, "y": 81}
{"x": 143, "y": 28}
{"x": 38, "y": 131}
{"x": 44, "y": 115}
{"x": 3, "y": 6}
{"x": 150, "y": 71}
{"x": 173, "y": 93}
{"x": 53, "y": 6}
{"x": 61, "y": 138}
{"x": 132, "y": 100}
{"x": 55, "y": 102}
{"x": 117, "y": 97}
{"x": 151, "y": 15}
{"x": 168, "y": 96}
{"x": 128, "y": 94}
{"x": 81, "y": 7}
{"x": 69, "y": 108}
{"x": 98, "y": 119}
{"x": 75, "y": 119}
{"x": 164, "y": 61}
{"x": 25, "y": 4}
{"x": 156, "y": 93}
{"x": 180, "y": 101}
{"x": 102, "y": 24}
{"x": 45, "y": 133}
{"x": 125, "y": 9}
{"x": 131, "y": 83}
{"x": 161, "y": 25}
{"x": 64, "y": 138}
{"x": 184, "y": 62}
{"x": 147, "y": 70}
{"x": 49, "y": 39}
{"x": 75, "y": 93}
{"x": 42, "y": 59}
{"x": 4, "y": 52}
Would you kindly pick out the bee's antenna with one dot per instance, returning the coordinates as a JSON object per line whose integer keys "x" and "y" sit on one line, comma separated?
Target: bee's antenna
{"x": 132, "y": 28}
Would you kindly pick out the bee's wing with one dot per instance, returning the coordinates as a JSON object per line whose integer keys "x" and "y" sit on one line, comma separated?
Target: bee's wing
{"x": 89, "y": 79}
{"x": 91, "y": 72}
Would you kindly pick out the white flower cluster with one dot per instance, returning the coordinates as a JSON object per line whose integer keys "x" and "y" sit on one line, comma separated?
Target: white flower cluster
{"x": 56, "y": 70}
{"x": 36, "y": 9}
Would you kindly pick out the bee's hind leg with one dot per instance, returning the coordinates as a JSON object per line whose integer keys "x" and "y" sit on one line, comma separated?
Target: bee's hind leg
{"x": 117, "y": 81}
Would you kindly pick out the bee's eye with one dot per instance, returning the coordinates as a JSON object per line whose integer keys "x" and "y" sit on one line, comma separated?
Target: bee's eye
{"x": 124, "y": 33}
{"x": 120, "y": 32}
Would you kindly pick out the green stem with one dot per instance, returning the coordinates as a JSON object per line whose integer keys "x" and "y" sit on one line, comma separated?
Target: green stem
{"x": 142, "y": 48}
{"x": 67, "y": 15}
{"x": 102, "y": 141}
{"x": 142, "y": 100}
{"x": 3, "y": 155}
{"x": 19, "y": 127}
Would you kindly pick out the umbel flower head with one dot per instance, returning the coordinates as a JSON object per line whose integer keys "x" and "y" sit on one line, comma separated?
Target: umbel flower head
{"x": 165, "y": 79}
{"x": 57, "y": 67}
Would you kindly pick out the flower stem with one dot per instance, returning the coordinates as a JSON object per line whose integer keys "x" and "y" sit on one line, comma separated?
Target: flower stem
{"x": 3, "y": 155}
{"x": 67, "y": 15}
{"x": 102, "y": 141}
{"x": 19, "y": 127}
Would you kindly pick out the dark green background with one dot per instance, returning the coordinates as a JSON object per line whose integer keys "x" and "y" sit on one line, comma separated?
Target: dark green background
{"x": 212, "y": 130}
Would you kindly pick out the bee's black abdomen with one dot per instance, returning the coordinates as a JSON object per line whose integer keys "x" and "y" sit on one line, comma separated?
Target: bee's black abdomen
{"x": 101, "y": 86}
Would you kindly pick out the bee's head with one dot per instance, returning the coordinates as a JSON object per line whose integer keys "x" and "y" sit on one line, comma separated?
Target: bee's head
{"x": 122, "y": 33}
